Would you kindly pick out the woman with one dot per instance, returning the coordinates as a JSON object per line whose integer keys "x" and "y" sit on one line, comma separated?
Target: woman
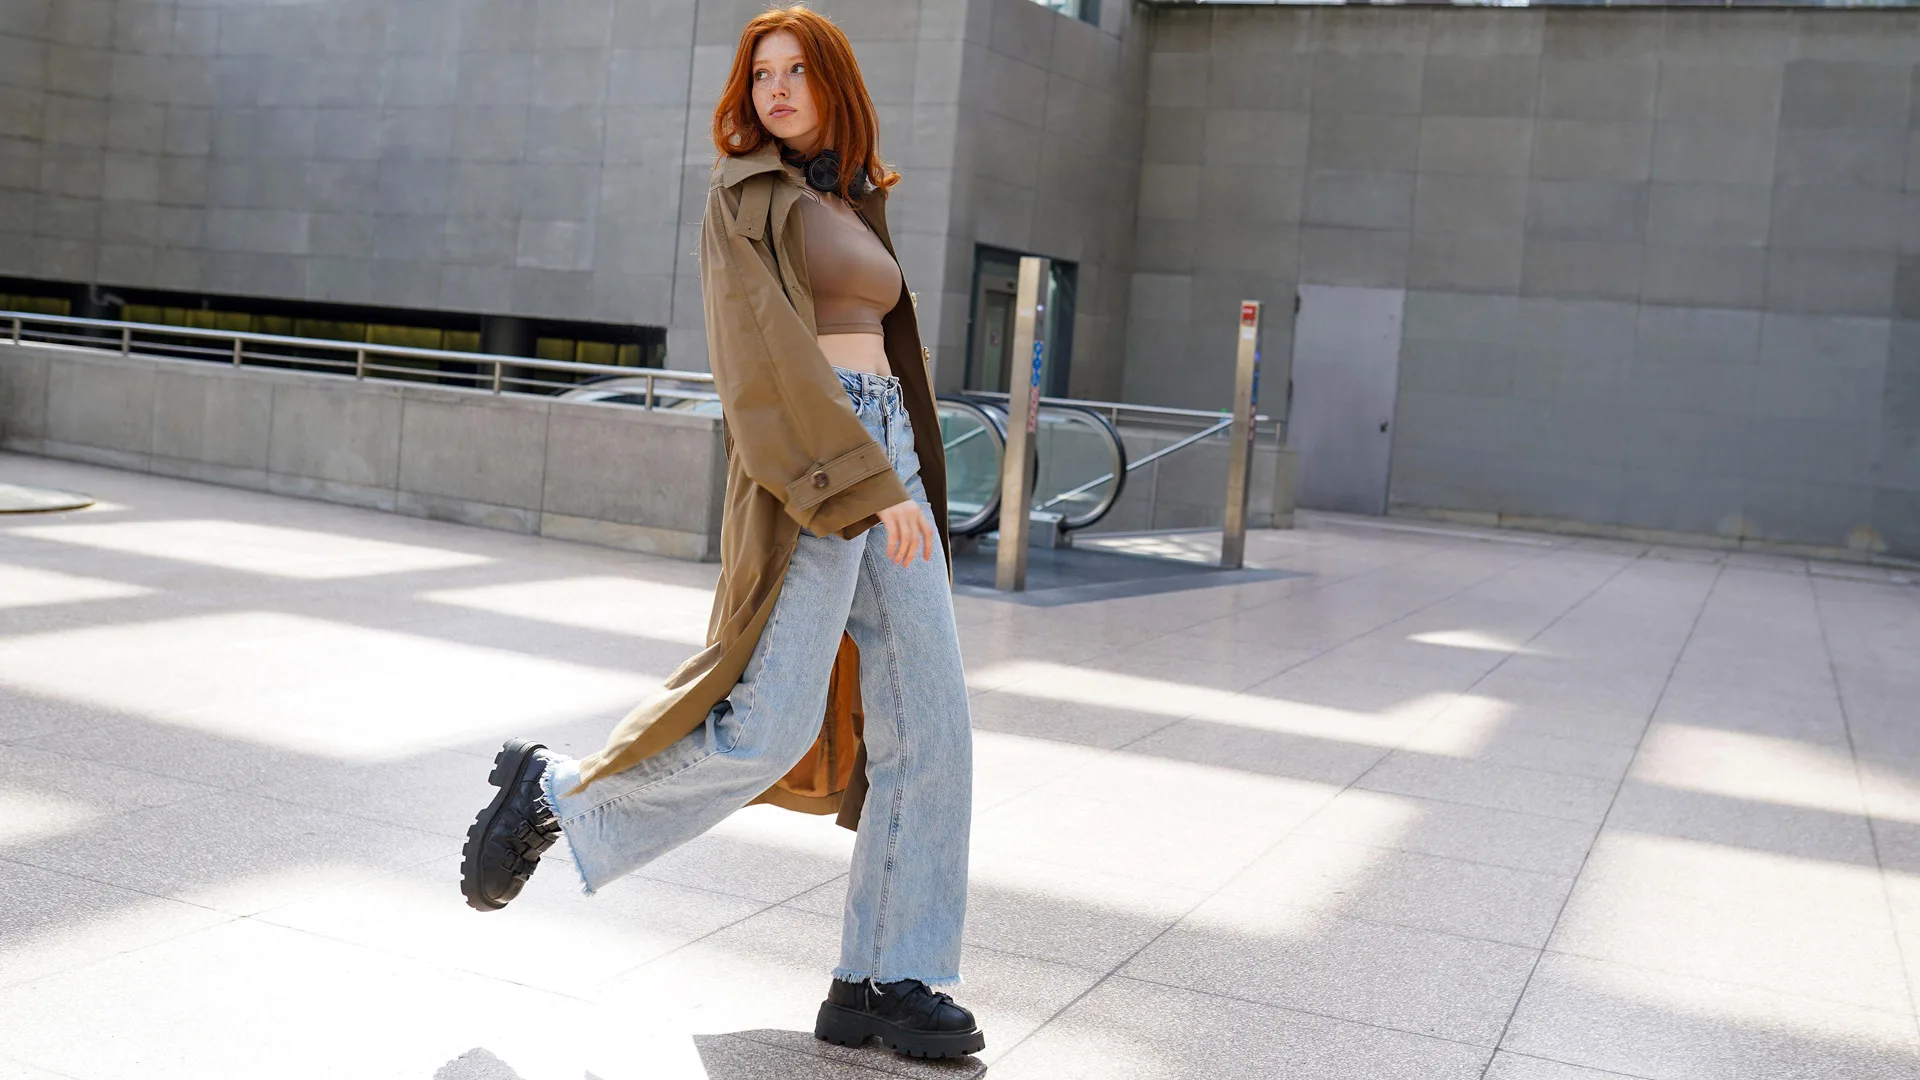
{"x": 832, "y": 679}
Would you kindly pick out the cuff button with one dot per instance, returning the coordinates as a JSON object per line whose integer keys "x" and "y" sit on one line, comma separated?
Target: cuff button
{"x": 820, "y": 479}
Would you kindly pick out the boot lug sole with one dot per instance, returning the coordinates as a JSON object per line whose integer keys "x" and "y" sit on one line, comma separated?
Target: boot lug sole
{"x": 846, "y": 1027}
{"x": 508, "y": 766}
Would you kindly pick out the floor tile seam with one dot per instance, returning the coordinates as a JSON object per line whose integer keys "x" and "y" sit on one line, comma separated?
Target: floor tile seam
{"x": 1909, "y": 958}
{"x": 206, "y": 790}
{"x": 997, "y": 950}
{"x": 1527, "y": 768}
{"x": 343, "y": 887}
{"x": 642, "y": 873}
{"x": 1587, "y": 821}
{"x": 260, "y": 791}
{"x": 1300, "y": 1010}
{"x": 1450, "y": 858}
{"x": 1761, "y": 912}
{"x": 391, "y": 824}
{"x": 438, "y": 965}
{"x": 1454, "y": 859}
{"x": 1355, "y": 637}
{"x": 1389, "y": 924}
{"x": 1320, "y": 584}
{"x": 1159, "y": 882}
{"x": 1706, "y": 600}
{"x": 1572, "y": 739}
{"x": 14, "y": 857}
{"x": 1743, "y": 984}
{"x": 1570, "y": 1064}
{"x": 227, "y": 919}
{"x": 40, "y": 1068}
{"x": 762, "y": 909}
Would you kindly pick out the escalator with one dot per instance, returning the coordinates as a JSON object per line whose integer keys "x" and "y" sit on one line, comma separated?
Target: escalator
{"x": 1079, "y": 470}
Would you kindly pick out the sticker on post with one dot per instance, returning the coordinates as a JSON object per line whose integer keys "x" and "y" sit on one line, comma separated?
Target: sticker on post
{"x": 1033, "y": 394}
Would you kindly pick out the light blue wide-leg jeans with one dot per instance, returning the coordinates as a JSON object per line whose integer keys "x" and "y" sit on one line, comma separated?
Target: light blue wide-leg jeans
{"x": 907, "y": 887}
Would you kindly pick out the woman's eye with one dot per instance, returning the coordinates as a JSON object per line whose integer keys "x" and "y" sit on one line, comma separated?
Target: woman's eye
{"x": 799, "y": 69}
{"x": 761, "y": 74}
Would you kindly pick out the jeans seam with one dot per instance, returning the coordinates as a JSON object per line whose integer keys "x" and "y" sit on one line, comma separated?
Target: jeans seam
{"x": 900, "y": 770}
{"x": 631, "y": 792}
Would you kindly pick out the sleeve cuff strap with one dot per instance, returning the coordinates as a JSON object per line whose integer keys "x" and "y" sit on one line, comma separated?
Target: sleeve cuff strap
{"x": 824, "y": 480}
{"x": 844, "y": 514}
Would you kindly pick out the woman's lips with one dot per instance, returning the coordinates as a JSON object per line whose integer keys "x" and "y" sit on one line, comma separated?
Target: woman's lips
{"x": 782, "y": 110}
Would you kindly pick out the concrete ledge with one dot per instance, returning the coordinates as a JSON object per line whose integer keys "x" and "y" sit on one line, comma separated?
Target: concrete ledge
{"x": 207, "y": 473}
{"x": 1635, "y": 534}
{"x": 673, "y": 544}
{"x": 652, "y": 482}
{"x": 468, "y": 512}
{"x": 308, "y": 487}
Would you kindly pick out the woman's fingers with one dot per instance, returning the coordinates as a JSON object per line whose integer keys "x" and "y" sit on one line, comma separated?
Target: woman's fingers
{"x": 908, "y": 534}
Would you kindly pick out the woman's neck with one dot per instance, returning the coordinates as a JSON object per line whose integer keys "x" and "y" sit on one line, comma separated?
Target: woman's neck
{"x": 806, "y": 145}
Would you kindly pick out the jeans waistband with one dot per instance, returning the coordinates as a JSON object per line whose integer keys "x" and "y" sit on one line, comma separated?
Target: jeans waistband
{"x": 884, "y": 388}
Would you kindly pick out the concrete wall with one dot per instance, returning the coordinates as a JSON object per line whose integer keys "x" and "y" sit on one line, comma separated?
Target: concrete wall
{"x": 1044, "y": 159}
{"x": 544, "y": 158}
{"x": 611, "y": 475}
{"x": 1662, "y": 268}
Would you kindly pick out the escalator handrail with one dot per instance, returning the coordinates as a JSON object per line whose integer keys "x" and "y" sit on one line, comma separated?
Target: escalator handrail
{"x": 996, "y": 406}
{"x": 1118, "y": 474}
{"x": 990, "y": 420}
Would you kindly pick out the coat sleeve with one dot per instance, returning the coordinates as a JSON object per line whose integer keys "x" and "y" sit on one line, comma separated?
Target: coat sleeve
{"x": 792, "y": 426}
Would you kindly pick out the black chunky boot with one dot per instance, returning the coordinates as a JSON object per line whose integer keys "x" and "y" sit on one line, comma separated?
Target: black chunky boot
{"x": 905, "y": 1016}
{"x": 506, "y": 840}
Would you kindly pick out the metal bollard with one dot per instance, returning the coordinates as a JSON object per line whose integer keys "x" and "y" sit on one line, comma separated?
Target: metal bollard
{"x": 1023, "y": 417}
{"x": 1246, "y": 394}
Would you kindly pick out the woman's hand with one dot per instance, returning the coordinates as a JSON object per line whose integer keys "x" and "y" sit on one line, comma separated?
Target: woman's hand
{"x": 907, "y": 530}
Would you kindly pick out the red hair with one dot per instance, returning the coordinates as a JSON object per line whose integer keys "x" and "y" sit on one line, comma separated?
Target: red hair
{"x": 848, "y": 122}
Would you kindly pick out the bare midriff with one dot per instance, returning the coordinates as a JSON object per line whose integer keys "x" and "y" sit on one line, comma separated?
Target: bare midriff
{"x": 857, "y": 352}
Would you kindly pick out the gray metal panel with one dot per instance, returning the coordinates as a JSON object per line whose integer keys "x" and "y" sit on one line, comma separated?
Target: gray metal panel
{"x": 1346, "y": 373}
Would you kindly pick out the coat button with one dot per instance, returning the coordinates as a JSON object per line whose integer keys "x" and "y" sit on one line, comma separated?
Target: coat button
{"x": 820, "y": 478}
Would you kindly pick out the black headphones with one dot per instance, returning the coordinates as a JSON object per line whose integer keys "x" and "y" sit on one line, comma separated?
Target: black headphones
{"x": 822, "y": 170}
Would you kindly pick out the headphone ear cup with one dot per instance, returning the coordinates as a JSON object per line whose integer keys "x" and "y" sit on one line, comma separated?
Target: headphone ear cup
{"x": 823, "y": 172}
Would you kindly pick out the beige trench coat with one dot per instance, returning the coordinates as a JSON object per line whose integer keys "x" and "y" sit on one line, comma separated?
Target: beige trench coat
{"x": 797, "y": 456}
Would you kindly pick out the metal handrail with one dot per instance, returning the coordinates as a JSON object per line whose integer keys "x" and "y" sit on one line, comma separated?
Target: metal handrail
{"x": 358, "y": 357}
{"x": 1115, "y": 408}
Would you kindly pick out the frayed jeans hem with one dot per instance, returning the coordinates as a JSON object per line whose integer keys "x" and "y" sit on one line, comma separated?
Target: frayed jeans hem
{"x": 852, "y": 976}
{"x": 580, "y": 872}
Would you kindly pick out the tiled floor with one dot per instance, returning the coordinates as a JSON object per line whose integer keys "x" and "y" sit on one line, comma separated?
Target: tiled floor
{"x": 1448, "y": 804}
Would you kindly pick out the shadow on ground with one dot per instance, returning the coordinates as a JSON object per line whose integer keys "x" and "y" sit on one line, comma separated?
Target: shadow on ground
{"x": 763, "y": 1054}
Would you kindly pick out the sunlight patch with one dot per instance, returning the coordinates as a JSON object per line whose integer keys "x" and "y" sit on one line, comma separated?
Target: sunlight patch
{"x": 616, "y": 605}
{"x": 1743, "y": 765}
{"x": 22, "y": 586}
{"x": 26, "y": 817}
{"x": 256, "y": 549}
{"x": 1471, "y": 639}
{"x": 1133, "y": 693}
{"x": 312, "y": 685}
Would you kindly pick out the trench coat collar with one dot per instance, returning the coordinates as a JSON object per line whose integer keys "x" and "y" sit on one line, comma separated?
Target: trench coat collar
{"x": 733, "y": 171}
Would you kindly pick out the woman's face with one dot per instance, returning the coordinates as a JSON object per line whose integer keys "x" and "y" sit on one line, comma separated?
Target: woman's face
{"x": 781, "y": 95}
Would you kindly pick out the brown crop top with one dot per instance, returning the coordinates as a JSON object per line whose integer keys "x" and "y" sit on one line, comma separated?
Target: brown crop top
{"x": 855, "y": 282}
